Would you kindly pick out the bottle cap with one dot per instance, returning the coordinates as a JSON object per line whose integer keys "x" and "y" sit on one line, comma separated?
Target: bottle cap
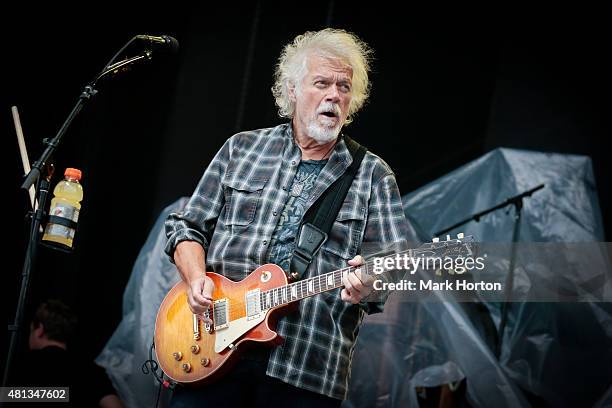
{"x": 73, "y": 173}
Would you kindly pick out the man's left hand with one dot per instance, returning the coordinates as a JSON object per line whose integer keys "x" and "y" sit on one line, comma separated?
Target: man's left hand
{"x": 356, "y": 285}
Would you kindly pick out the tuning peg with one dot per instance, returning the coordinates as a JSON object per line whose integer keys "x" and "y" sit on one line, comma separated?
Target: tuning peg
{"x": 448, "y": 238}
{"x": 460, "y": 235}
{"x": 435, "y": 240}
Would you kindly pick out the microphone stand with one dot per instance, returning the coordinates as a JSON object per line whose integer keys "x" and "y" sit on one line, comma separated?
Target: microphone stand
{"x": 42, "y": 189}
{"x": 517, "y": 202}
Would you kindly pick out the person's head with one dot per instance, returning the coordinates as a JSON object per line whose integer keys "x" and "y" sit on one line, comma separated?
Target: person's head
{"x": 321, "y": 81}
{"x": 53, "y": 324}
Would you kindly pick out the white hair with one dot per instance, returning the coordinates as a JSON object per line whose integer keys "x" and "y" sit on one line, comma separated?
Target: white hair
{"x": 329, "y": 43}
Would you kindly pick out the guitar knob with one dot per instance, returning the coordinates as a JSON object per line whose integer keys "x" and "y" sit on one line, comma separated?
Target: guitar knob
{"x": 195, "y": 349}
{"x": 186, "y": 367}
{"x": 205, "y": 361}
{"x": 177, "y": 355}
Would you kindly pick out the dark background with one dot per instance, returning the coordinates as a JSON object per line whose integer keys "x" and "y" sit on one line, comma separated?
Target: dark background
{"x": 445, "y": 91}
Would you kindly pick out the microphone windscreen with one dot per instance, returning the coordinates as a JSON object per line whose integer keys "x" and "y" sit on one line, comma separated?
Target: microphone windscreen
{"x": 172, "y": 43}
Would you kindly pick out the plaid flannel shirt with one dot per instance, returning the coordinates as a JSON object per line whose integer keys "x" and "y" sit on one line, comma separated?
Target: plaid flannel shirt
{"x": 233, "y": 213}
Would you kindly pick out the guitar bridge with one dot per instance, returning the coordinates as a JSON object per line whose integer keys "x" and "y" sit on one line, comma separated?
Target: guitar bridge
{"x": 207, "y": 326}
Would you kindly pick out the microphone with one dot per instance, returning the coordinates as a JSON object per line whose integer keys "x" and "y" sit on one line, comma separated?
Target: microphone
{"x": 162, "y": 41}
{"x": 113, "y": 68}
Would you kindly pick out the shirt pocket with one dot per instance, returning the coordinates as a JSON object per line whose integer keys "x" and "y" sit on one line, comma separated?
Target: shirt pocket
{"x": 346, "y": 234}
{"x": 242, "y": 197}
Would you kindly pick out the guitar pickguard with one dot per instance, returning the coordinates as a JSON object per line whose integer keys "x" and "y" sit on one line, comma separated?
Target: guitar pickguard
{"x": 236, "y": 328}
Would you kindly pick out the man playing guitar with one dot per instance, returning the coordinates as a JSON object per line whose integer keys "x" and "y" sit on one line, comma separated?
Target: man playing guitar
{"x": 247, "y": 209}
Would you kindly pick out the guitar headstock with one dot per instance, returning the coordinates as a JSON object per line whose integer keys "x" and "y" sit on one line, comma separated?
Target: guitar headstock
{"x": 462, "y": 246}
{"x": 454, "y": 250}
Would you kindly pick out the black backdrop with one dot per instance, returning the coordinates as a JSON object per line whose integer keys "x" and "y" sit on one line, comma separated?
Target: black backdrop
{"x": 445, "y": 91}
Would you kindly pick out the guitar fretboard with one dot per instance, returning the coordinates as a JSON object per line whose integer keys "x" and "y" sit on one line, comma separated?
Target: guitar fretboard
{"x": 318, "y": 284}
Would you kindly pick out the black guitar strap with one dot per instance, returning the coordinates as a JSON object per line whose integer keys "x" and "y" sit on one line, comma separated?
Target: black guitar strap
{"x": 319, "y": 218}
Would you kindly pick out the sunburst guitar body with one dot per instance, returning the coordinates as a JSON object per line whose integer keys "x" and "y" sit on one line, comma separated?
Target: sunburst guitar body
{"x": 192, "y": 352}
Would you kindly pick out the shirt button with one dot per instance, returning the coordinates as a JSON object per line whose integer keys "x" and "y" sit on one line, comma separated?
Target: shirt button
{"x": 274, "y": 213}
{"x": 285, "y": 188}
{"x": 265, "y": 242}
{"x": 293, "y": 163}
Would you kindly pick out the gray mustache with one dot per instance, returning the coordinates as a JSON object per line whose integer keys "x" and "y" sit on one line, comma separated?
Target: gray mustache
{"x": 330, "y": 108}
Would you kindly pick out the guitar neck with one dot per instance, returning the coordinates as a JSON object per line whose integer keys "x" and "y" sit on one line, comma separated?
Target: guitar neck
{"x": 299, "y": 290}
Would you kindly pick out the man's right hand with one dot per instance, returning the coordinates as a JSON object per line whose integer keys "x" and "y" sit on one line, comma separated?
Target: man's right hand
{"x": 189, "y": 257}
{"x": 199, "y": 296}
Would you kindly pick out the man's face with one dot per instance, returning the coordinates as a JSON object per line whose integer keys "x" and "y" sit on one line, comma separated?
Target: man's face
{"x": 322, "y": 99}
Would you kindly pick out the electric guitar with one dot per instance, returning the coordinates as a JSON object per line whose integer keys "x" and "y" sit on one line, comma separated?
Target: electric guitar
{"x": 244, "y": 313}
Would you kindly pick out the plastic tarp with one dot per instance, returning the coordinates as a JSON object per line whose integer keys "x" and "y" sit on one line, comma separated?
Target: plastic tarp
{"x": 553, "y": 354}
{"x": 128, "y": 348}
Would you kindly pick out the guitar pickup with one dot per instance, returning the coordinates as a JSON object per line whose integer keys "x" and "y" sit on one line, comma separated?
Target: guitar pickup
{"x": 253, "y": 304}
{"x": 221, "y": 313}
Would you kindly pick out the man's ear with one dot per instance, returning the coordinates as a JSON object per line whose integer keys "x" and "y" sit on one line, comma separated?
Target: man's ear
{"x": 291, "y": 91}
{"x": 39, "y": 331}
